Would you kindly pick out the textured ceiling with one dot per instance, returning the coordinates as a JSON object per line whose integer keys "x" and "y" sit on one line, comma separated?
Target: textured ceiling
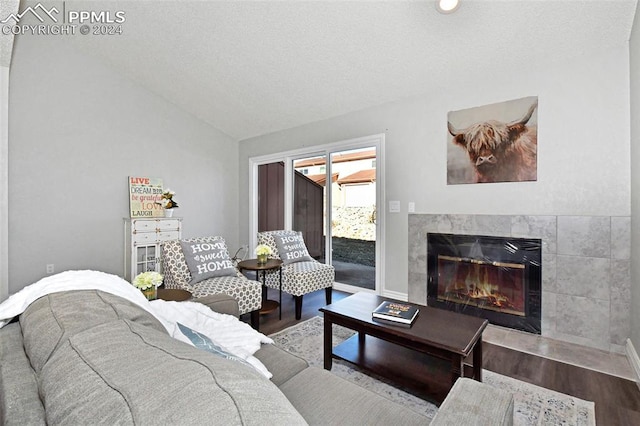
{"x": 250, "y": 68}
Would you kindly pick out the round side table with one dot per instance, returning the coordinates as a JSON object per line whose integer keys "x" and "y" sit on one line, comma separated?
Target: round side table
{"x": 272, "y": 264}
{"x": 173, "y": 294}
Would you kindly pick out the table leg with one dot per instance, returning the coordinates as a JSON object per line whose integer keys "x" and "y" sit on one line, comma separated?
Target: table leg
{"x": 477, "y": 361}
{"x": 361, "y": 337}
{"x": 264, "y": 288}
{"x": 328, "y": 343}
{"x": 280, "y": 313}
{"x": 457, "y": 368}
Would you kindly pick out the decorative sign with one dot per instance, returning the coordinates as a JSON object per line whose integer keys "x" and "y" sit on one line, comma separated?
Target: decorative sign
{"x": 145, "y": 194}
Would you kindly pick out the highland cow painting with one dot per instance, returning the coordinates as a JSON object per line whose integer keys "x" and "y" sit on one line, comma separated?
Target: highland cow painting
{"x": 493, "y": 143}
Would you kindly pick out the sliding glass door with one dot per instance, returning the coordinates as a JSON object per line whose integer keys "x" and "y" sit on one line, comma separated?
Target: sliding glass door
{"x": 309, "y": 204}
{"x": 331, "y": 196}
{"x": 353, "y": 217}
{"x": 271, "y": 196}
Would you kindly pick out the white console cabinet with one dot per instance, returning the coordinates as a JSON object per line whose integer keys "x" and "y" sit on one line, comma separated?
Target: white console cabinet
{"x": 143, "y": 239}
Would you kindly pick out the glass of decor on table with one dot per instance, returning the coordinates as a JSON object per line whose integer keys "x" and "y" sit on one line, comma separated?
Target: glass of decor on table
{"x": 148, "y": 283}
{"x": 262, "y": 252}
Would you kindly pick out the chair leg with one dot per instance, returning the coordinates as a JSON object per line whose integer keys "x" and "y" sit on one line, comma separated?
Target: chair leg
{"x": 327, "y": 293}
{"x": 298, "y": 300}
{"x": 255, "y": 319}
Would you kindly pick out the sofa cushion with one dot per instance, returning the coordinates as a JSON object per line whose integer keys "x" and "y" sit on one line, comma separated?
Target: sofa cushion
{"x": 291, "y": 248}
{"x": 282, "y": 364}
{"x": 323, "y": 398}
{"x": 472, "y": 402}
{"x": 19, "y": 400}
{"x": 221, "y": 303}
{"x": 207, "y": 259}
{"x": 52, "y": 319}
{"x": 126, "y": 373}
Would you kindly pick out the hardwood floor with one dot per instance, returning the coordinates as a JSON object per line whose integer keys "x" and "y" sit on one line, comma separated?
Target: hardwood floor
{"x": 270, "y": 324}
{"x": 617, "y": 400}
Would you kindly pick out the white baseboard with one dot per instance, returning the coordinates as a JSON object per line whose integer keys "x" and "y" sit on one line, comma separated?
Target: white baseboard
{"x": 634, "y": 360}
{"x": 385, "y": 293}
{"x": 395, "y": 295}
{"x": 350, "y": 288}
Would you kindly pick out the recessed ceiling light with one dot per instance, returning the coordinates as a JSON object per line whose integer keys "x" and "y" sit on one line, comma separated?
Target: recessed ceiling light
{"x": 447, "y": 6}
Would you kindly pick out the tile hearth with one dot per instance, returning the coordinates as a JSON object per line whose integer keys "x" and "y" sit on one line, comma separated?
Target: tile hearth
{"x": 590, "y": 358}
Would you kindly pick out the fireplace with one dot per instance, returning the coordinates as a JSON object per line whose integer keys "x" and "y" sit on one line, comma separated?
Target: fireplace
{"x": 497, "y": 278}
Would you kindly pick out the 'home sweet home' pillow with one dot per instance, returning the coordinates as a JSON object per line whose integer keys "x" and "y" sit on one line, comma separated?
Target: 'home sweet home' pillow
{"x": 291, "y": 248}
{"x": 207, "y": 260}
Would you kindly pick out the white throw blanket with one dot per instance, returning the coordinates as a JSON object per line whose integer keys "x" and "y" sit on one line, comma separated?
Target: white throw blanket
{"x": 226, "y": 331}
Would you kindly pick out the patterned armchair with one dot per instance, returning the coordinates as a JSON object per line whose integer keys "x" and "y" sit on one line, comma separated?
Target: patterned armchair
{"x": 176, "y": 272}
{"x": 299, "y": 277}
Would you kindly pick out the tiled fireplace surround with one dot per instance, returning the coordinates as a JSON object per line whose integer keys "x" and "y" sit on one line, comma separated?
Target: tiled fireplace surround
{"x": 586, "y": 278}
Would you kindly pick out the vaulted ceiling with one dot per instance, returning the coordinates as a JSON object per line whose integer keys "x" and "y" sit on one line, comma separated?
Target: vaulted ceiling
{"x": 250, "y": 68}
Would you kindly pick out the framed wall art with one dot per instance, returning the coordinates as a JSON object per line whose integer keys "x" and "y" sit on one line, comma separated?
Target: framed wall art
{"x": 493, "y": 143}
{"x": 145, "y": 196}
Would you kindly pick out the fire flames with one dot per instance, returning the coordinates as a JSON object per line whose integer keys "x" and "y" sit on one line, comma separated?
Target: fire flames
{"x": 476, "y": 284}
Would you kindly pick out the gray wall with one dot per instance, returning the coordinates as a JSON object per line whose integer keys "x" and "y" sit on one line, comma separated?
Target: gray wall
{"x": 583, "y": 137}
{"x": 634, "y": 49}
{"x": 6, "y": 46}
{"x": 77, "y": 130}
{"x": 4, "y": 182}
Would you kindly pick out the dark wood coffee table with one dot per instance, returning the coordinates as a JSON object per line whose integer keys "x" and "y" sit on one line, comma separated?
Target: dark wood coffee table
{"x": 425, "y": 359}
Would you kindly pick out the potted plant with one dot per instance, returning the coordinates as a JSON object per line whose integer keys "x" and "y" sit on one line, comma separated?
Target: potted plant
{"x": 148, "y": 283}
{"x": 168, "y": 203}
{"x": 263, "y": 251}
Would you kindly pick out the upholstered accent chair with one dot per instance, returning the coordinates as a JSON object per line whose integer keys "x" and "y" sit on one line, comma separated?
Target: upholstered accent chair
{"x": 300, "y": 275}
{"x": 177, "y": 274}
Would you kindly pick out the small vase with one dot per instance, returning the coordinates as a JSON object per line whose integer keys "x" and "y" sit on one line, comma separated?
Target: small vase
{"x": 150, "y": 293}
{"x": 168, "y": 212}
{"x": 262, "y": 259}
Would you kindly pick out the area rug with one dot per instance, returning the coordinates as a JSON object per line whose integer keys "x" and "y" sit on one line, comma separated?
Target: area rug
{"x": 533, "y": 405}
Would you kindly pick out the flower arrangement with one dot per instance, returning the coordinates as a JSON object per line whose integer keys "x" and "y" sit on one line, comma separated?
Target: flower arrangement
{"x": 147, "y": 282}
{"x": 167, "y": 200}
{"x": 263, "y": 250}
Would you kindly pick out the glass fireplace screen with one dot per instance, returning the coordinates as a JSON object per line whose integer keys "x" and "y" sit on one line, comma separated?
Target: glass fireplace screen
{"x": 497, "y": 278}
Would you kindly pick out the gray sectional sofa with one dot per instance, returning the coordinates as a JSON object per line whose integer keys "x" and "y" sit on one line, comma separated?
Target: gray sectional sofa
{"x": 87, "y": 357}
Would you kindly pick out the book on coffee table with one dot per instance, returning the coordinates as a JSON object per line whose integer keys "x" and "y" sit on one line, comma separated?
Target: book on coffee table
{"x": 395, "y": 313}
